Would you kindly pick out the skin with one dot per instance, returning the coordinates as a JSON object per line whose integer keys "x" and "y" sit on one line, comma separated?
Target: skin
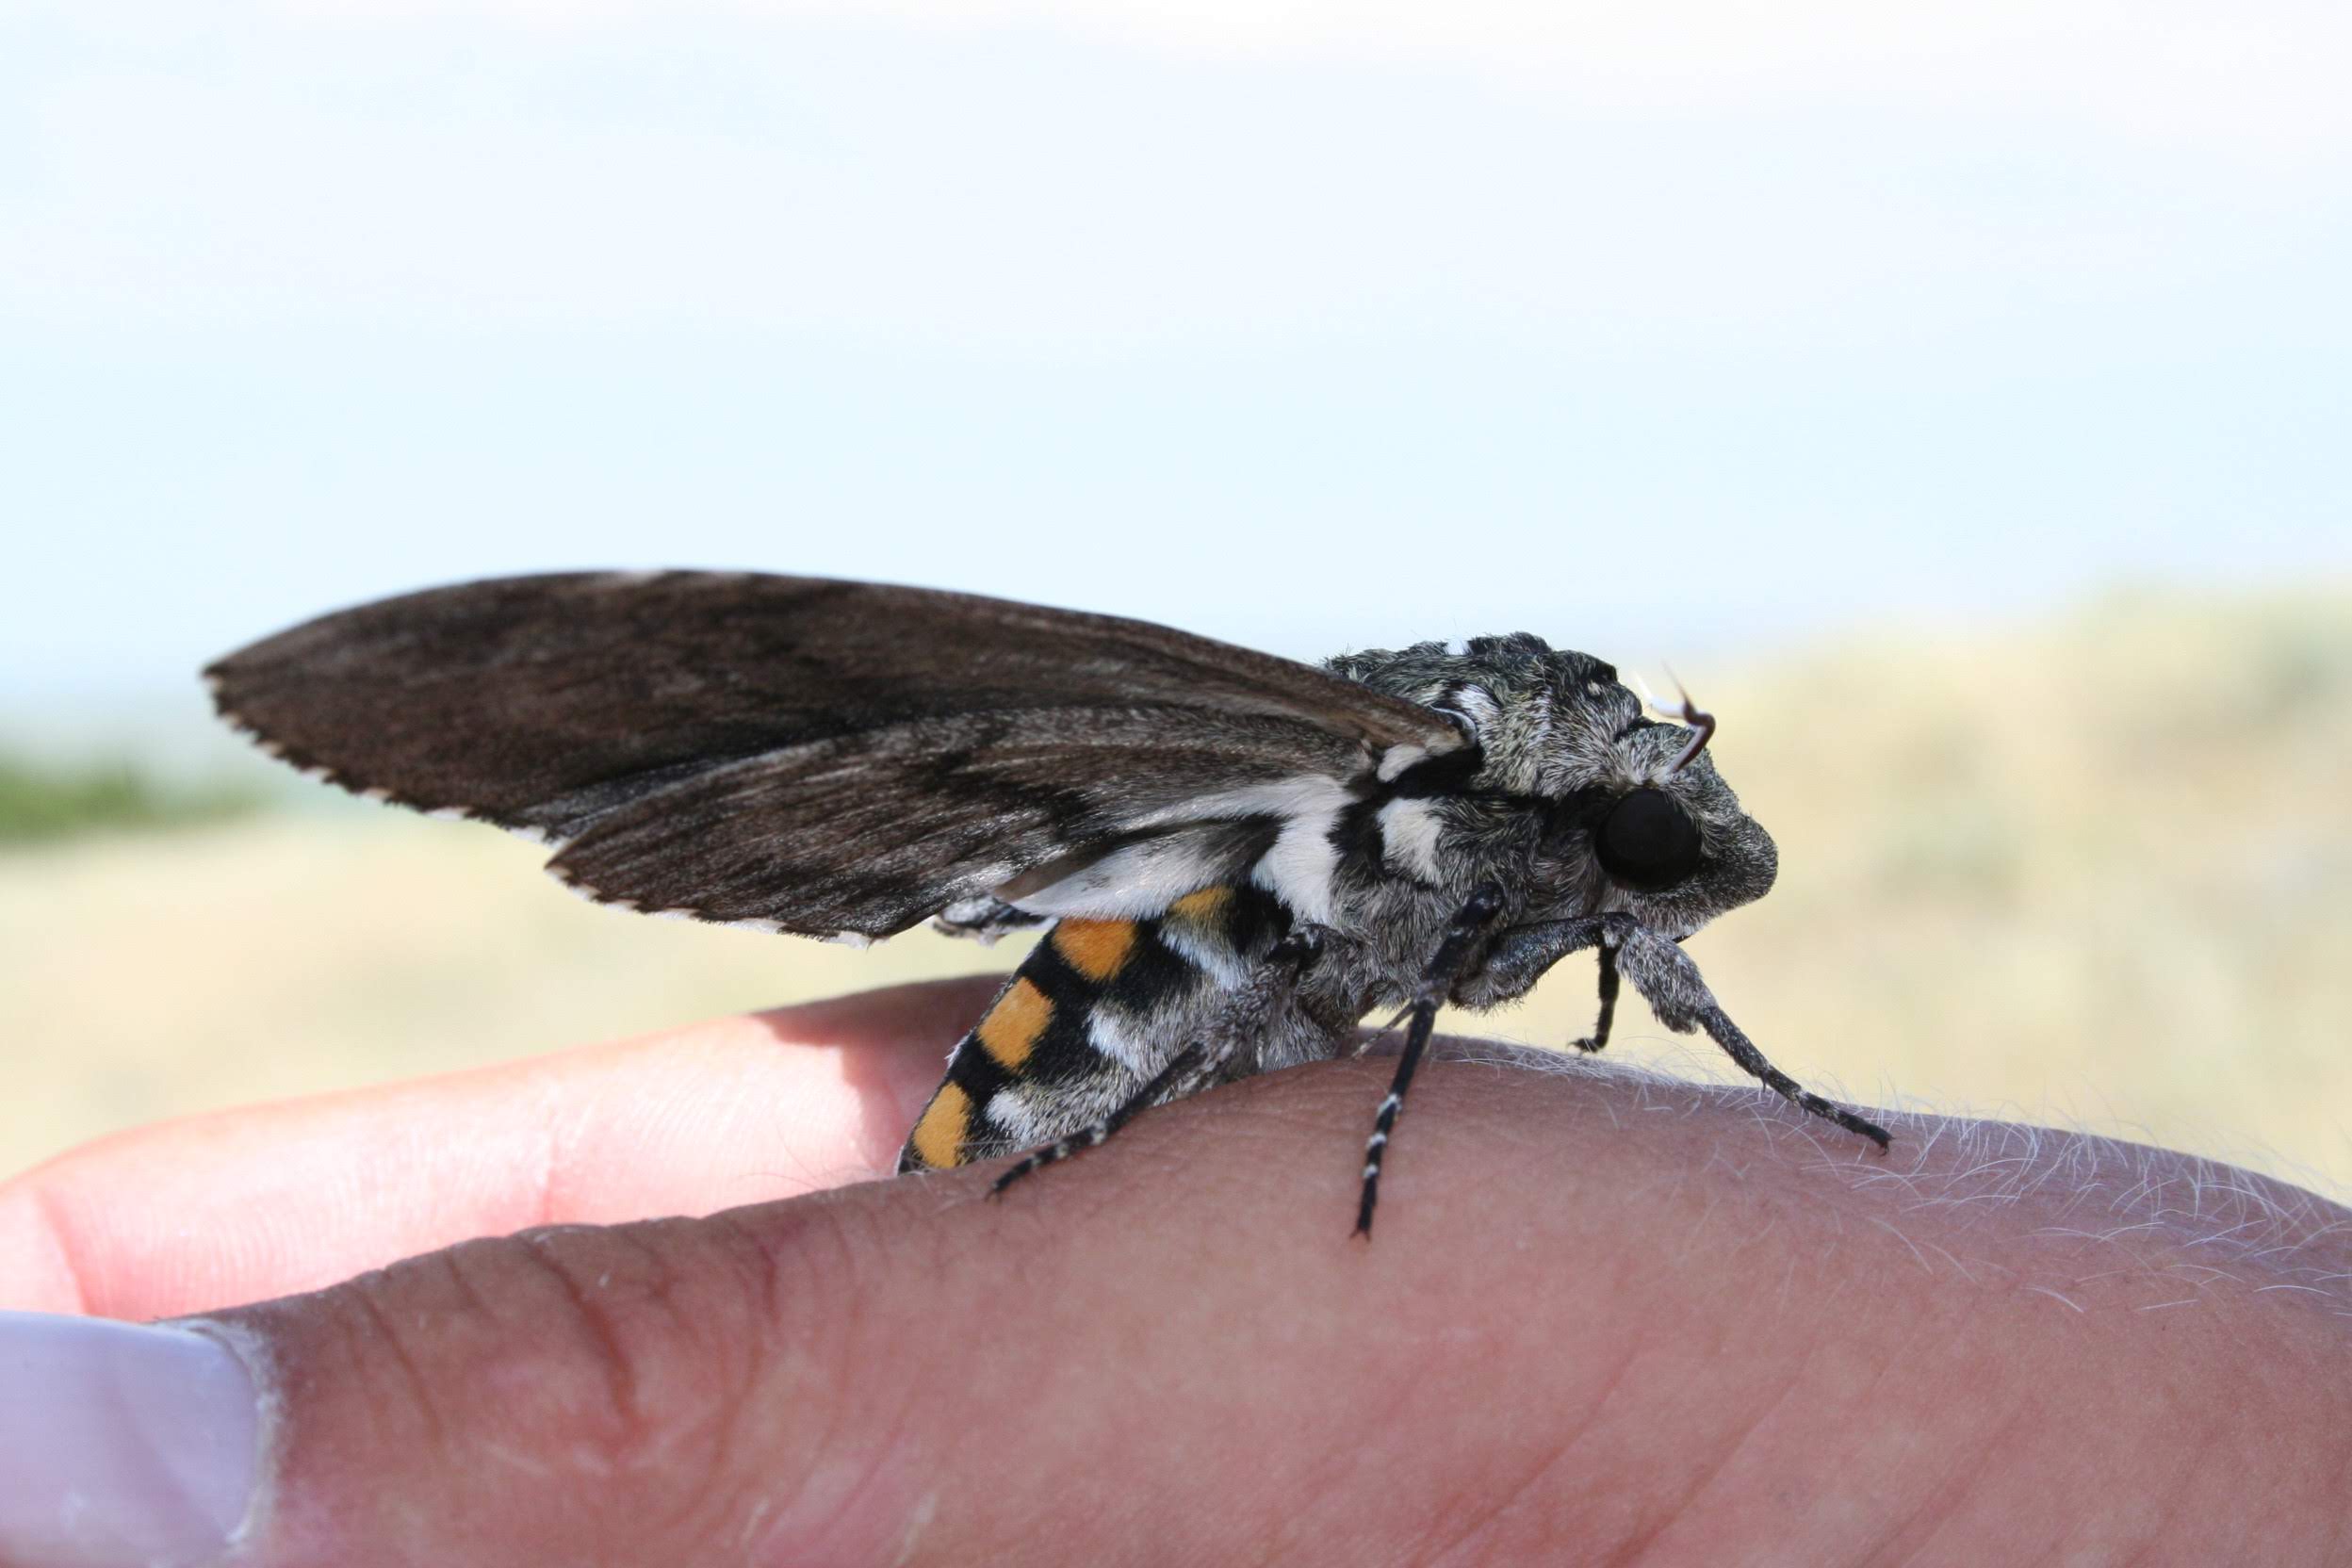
{"x": 1601, "y": 1320}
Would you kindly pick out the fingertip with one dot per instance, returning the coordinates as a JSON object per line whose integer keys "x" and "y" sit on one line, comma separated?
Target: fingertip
{"x": 909, "y": 1018}
{"x": 892, "y": 1045}
{"x": 270, "y": 1200}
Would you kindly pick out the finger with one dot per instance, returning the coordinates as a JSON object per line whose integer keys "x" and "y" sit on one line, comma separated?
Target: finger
{"x": 262, "y": 1201}
{"x": 1583, "y": 1332}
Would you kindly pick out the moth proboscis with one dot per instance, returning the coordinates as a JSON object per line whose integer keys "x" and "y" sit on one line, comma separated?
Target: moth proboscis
{"x": 1240, "y": 856}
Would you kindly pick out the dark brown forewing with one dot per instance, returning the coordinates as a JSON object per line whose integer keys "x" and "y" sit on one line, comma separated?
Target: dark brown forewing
{"x": 829, "y": 756}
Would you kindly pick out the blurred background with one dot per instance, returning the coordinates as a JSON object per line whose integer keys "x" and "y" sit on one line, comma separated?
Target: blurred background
{"x": 1955, "y": 395}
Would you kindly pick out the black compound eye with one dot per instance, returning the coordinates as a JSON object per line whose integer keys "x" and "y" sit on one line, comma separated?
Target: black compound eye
{"x": 1647, "y": 842}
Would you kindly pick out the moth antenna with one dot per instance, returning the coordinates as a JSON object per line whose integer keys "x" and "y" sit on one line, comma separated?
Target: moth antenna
{"x": 1684, "y": 712}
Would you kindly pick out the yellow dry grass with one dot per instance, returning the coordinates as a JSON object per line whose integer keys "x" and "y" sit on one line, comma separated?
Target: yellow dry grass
{"x": 2095, "y": 872}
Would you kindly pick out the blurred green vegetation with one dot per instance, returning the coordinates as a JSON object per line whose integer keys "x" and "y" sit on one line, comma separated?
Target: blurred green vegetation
{"x": 44, "y": 803}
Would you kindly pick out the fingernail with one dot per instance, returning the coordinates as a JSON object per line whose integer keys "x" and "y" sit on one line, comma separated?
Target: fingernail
{"x": 120, "y": 1444}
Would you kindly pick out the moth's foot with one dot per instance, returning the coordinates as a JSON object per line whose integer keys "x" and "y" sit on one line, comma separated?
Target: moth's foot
{"x": 1052, "y": 1153}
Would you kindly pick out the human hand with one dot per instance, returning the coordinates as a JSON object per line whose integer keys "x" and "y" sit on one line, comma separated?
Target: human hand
{"x": 1603, "y": 1320}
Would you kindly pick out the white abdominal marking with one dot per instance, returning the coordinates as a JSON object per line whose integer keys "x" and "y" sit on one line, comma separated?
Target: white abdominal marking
{"x": 1111, "y": 1038}
{"x": 1212, "y": 958}
{"x": 1008, "y": 1108}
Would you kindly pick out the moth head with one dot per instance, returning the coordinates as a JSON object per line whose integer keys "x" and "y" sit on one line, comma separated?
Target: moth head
{"x": 1660, "y": 833}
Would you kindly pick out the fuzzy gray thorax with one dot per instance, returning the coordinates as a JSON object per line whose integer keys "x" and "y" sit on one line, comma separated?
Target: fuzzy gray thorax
{"x": 1559, "y": 740}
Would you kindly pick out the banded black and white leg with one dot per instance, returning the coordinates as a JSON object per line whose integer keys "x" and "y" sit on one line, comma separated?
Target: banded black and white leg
{"x": 1269, "y": 988}
{"x": 1668, "y": 981}
{"x": 1599, "y": 1036}
{"x": 1186, "y": 1065}
{"x": 1671, "y": 983}
{"x": 1453, "y": 958}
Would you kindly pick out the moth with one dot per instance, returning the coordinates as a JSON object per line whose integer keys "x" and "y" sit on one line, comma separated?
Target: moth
{"x": 1240, "y": 857}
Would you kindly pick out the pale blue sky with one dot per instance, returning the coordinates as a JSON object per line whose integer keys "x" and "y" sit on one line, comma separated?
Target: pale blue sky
{"x": 1309, "y": 326}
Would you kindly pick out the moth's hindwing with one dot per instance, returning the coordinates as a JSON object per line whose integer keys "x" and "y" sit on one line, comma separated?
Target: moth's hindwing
{"x": 1092, "y": 1015}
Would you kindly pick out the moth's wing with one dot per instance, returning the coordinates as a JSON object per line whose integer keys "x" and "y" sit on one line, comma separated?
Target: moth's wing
{"x": 822, "y": 757}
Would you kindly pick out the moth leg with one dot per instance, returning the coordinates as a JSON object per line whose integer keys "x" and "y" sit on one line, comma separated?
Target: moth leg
{"x": 1524, "y": 954}
{"x": 1437, "y": 984}
{"x": 1669, "y": 983}
{"x": 1269, "y": 985}
{"x": 1188, "y": 1062}
{"x": 1599, "y": 1036}
{"x": 984, "y": 920}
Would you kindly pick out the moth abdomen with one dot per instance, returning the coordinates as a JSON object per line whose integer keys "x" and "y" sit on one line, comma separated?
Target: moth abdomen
{"x": 1096, "y": 1010}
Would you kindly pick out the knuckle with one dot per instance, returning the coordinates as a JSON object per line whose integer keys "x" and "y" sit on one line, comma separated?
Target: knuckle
{"x": 650, "y": 1374}
{"x": 663, "y": 1330}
